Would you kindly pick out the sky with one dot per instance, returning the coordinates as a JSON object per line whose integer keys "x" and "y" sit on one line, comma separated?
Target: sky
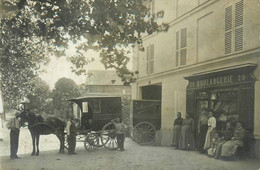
{"x": 60, "y": 67}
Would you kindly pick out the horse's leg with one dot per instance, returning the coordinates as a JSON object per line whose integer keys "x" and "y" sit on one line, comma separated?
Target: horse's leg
{"x": 58, "y": 136}
{"x": 37, "y": 144}
{"x": 33, "y": 142}
{"x": 62, "y": 142}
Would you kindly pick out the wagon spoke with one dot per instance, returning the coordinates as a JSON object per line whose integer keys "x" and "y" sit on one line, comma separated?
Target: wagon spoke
{"x": 144, "y": 133}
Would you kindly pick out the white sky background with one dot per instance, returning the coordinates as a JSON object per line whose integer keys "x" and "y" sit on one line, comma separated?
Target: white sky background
{"x": 60, "y": 67}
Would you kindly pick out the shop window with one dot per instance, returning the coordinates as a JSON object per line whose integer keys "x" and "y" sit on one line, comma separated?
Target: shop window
{"x": 234, "y": 27}
{"x": 181, "y": 47}
{"x": 225, "y": 104}
{"x": 150, "y": 59}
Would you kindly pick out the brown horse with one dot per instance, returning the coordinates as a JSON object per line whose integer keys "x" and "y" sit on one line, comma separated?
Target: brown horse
{"x": 37, "y": 126}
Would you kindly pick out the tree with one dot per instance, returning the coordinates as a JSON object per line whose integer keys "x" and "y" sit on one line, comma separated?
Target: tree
{"x": 45, "y": 27}
{"x": 64, "y": 90}
{"x": 40, "y": 96}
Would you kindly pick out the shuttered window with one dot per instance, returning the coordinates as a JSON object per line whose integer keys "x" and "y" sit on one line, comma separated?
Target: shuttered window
{"x": 234, "y": 27}
{"x": 183, "y": 37}
{"x": 181, "y": 47}
{"x": 150, "y": 59}
{"x": 239, "y": 12}
{"x": 177, "y": 48}
{"x": 228, "y": 30}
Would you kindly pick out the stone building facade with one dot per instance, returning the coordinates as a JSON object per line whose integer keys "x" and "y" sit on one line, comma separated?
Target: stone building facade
{"x": 209, "y": 58}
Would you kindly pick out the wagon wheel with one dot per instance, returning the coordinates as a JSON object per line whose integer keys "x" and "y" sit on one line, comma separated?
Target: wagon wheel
{"x": 98, "y": 140}
{"x": 66, "y": 144}
{"x": 89, "y": 142}
{"x": 144, "y": 133}
{"x": 108, "y": 136}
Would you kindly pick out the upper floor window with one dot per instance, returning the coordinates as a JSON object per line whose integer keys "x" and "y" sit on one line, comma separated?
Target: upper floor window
{"x": 150, "y": 59}
{"x": 234, "y": 27}
{"x": 181, "y": 47}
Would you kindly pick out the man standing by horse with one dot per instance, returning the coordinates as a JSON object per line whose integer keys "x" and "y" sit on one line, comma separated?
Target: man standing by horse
{"x": 71, "y": 134}
{"x": 14, "y": 124}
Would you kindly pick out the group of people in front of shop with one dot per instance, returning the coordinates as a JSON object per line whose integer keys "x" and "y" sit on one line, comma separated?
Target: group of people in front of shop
{"x": 214, "y": 143}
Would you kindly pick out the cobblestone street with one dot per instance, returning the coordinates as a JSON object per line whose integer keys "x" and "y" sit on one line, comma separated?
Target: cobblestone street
{"x": 135, "y": 157}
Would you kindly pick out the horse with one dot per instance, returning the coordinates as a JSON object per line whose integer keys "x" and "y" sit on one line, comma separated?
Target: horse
{"x": 37, "y": 126}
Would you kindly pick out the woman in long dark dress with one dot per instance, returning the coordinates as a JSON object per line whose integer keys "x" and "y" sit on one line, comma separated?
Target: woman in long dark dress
{"x": 202, "y": 129}
{"x": 177, "y": 130}
{"x": 187, "y": 137}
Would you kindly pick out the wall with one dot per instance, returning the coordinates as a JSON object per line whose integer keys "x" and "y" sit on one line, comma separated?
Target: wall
{"x": 205, "y": 37}
{"x": 205, "y": 45}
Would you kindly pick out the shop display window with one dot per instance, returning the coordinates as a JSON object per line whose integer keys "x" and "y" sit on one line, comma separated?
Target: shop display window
{"x": 224, "y": 102}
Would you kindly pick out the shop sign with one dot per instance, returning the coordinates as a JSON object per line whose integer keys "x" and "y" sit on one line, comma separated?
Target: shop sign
{"x": 219, "y": 80}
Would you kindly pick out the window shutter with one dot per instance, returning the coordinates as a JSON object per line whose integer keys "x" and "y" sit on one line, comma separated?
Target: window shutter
{"x": 228, "y": 29}
{"x": 183, "y": 37}
{"x": 228, "y": 42}
{"x": 177, "y": 40}
{"x": 239, "y": 13}
{"x": 239, "y": 39}
{"x": 152, "y": 59}
{"x": 147, "y": 59}
{"x": 177, "y": 58}
{"x": 183, "y": 56}
{"x": 239, "y": 26}
{"x": 228, "y": 18}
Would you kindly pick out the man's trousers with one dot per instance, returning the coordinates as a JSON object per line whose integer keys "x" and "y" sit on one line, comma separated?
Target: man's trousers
{"x": 14, "y": 142}
{"x": 72, "y": 143}
{"x": 120, "y": 141}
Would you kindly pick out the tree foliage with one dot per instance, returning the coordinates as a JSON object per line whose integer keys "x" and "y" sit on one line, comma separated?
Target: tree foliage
{"x": 40, "y": 97}
{"x": 64, "y": 90}
{"x": 41, "y": 28}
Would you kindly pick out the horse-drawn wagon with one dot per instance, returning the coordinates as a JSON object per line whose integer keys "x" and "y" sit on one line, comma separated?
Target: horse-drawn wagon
{"x": 94, "y": 121}
{"x": 146, "y": 120}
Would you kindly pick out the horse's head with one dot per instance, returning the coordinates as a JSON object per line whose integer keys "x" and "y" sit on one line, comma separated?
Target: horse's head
{"x": 23, "y": 116}
{"x": 27, "y": 116}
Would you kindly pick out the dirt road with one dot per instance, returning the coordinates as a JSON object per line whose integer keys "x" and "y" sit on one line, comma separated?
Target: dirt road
{"x": 135, "y": 157}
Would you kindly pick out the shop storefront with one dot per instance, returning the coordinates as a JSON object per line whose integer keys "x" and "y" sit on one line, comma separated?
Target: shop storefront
{"x": 228, "y": 91}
